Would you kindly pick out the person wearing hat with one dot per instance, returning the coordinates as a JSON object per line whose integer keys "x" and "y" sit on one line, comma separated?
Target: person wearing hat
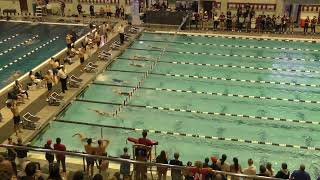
{"x": 49, "y": 156}
{"x": 214, "y": 165}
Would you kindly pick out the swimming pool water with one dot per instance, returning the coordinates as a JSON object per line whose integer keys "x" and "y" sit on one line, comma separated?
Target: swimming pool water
{"x": 224, "y": 95}
{"x": 12, "y": 49}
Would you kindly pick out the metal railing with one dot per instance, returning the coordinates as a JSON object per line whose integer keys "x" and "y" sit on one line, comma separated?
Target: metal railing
{"x": 134, "y": 162}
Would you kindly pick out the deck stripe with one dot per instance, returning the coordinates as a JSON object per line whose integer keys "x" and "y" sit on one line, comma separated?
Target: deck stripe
{"x": 233, "y": 55}
{"x": 9, "y": 38}
{"x": 29, "y": 53}
{"x": 217, "y": 94}
{"x": 18, "y": 45}
{"x": 198, "y": 136}
{"x": 232, "y": 46}
{"x": 228, "y": 66}
{"x": 224, "y": 79}
{"x": 247, "y": 117}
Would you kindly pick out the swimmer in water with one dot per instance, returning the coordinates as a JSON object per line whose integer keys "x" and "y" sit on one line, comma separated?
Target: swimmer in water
{"x": 15, "y": 75}
{"x": 83, "y": 138}
{"x": 102, "y": 113}
{"x": 153, "y": 47}
{"x": 138, "y": 57}
{"x": 119, "y": 92}
{"x": 136, "y": 65}
{"x": 29, "y": 42}
{"x": 118, "y": 81}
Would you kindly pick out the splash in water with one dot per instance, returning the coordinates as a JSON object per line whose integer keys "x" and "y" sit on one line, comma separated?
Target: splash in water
{"x": 102, "y": 77}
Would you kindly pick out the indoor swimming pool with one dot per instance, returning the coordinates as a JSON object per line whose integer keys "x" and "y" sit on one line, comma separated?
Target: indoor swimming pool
{"x": 247, "y": 98}
{"x": 23, "y": 46}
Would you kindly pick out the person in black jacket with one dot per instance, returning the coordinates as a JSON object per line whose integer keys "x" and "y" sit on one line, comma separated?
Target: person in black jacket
{"x": 49, "y": 156}
{"x": 284, "y": 173}
{"x": 21, "y": 154}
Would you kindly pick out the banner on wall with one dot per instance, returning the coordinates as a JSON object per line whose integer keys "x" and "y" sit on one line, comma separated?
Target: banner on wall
{"x": 135, "y": 12}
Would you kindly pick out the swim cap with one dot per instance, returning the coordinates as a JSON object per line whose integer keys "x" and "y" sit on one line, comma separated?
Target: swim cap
{"x": 214, "y": 159}
{"x": 49, "y": 141}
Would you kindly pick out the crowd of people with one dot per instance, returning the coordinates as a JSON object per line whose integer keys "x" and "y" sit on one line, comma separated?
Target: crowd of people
{"x": 247, "y": 20}
{"x": 15, "y": 164}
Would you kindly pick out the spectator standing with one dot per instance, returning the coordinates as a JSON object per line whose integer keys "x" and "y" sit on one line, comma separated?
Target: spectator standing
{"x": 91, "y": 9}
{"x": 199, "y": 172}
{"x": 306, "y": 25}
{"x": 229, "y": 20}
{"x": 291, "y": 24}
{"x": 142, "y": 153}
{"x": 222, "y": 164}
{"x": 284, "y": 24}
{"x": 252, "y": 12}
{"x": 240, "y": 24}
{"x": 215, "y": 21}
{"x": 121, "y": 33}
{"x": 253, "y": 23}
{"x": 188, "y": 174}
{"x": 54, "y": 173}
{"x": 206, "y": 163}
{"x": 124, "y": 166}
{"x": 251, "y": 169}
{"x": 205, "y": 20}
{"x": 278, "y": 24}
{"x": 62, "y": 7}
{"x": 248, "y": 24}
{"x": 49, "y": 156}
{"x": 313, "y": 24}
{"x": 284, "y": 173}
{"x": 234, "y": 22}
{"x": 222, "y": 21}
{"x": 162, "y": 171}
{"x": 11, "y": 155}
{"x": 21, "y": 154}
{"x": 176, "y": 174}
{"x": 239, "y": 13}
{"x": 61, "y": 158}
{"x": 79, "y": 8}
{"x": 300, "y": 174}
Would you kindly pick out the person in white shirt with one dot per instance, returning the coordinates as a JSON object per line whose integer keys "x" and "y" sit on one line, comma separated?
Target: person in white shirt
{"x": 62, "y": 74}
{"x": 251, "y": 169}
{"x": 222, "y": 164}
{"x": 121, "y": 33}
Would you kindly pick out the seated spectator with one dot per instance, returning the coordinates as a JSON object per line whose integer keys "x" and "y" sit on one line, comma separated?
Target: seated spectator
{"x": 188, "y": 175}
{"x": 235, "y": 167}
{"x": 6, "y": 171}
{"x": 214, "y": 165}
{"x": 97, "y": 177}
{"x": 33, "y": 172}
{"x": 21, "y": 154}
{"x": 206, "y": 163}
{"x": 103, "y": 168}
{"x": 284, "y": 173}
{"x": 251, "y": 169}
{"x": 199, "y": 172}
{"x": 34, "y": 80}
{"x": 263, "y": 171}
{"x": 79, "y": 175}
{"x": 270, "y": 171}
{"x": 54, "y": 173}
{"x": 18, "y": 87}
{"x": 162, "y": 171}
{"x": 300, "y": 174}
{"x": 125, "y": 166}
{"x": 176, "y": 173}
{"x": 222, "y": 164}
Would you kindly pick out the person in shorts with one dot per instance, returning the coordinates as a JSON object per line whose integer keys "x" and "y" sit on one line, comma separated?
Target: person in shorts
{"x": 16, "y": 116}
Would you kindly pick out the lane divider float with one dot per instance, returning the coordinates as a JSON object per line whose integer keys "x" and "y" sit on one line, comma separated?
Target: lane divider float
{"x": 225, "y": 79}
{"x": 199, "y": 136}
{"x": 9, "y": 38}
{"x": 28, "y": 54}
{"x": 234, "y": 55}
{"x": 244, "y": 116}
{"x": 18, "y": 45}
{"x": 218, "y": 94}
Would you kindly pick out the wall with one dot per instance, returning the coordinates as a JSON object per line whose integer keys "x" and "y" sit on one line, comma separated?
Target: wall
{"x": 10, "y": 4}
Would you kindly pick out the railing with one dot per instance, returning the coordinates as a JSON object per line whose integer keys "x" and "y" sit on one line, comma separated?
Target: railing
{"x": 134, "y": 162}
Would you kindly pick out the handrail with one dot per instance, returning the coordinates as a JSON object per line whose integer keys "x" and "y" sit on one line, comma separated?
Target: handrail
{"x": 121, "y": 160}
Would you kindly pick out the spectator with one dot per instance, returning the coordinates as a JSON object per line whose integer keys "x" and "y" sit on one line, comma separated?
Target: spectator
{"x": 78, "y": 175}
{"x": 214, "y": 165}
{"x": 248, "y": 23}
{"x": 222, "y": 21}
{"x": 234, "y": 22}
{"x": 125, "y": 166}
{"x": 251, "y": 169}
{"x": 54, "y": 173}
{"x": 32, "y": 172}
{"x": 18, "y": 87}
{"x": 215, "y": 21}
{"x": 91, "y": 9}
{"x": 21, "y": 154}
{"x": 263, "y": 171}
{"x": 49, "y": 156}
{"x": 79, "y": 8}
{"x": 306, "y": 25}
{"x": 229, "y": 20}
{"x": 188, "y": 174}
{"x": 291, "y": 24}
{"x": 176, "y": 173}
{"x": 222, "y": 164}
{"x": 253, "y": 23}
{"x": 121, "y": 33}
{"x": 62, "y": 74}
{"x": 284, "y": 173}
{"x": 6, "y": 171}
{"x": 61, "y": 158}
{"x": 240, "y": 23}
{"x": 313, "y": 24}
{"x": 62, "y": 7}
{"x": 162, "y": 171}
{"x": 278, "y": 25}
{"x": 97, "y": 177}
{"x": 205, "y": 21}
{"x": 270, "y": 171}
{"x": 206, "y": 163}
{"x": 252, "y": 12}
{"x": 235, "y": 167}
{"x": 300, "y": 174}
{"x": 198, "y": 171}
{"x": 284, "y": 24}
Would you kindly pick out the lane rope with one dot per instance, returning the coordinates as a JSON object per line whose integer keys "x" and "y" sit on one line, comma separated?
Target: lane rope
{"x": 254, "y": 38}
{"x": 228, "y": 66}
{"x": 9, "y": 38}
{"x": 18, "y": 45}
{"x": 224, "y": 79}
{"x": 233, "y": 55}
{"x": 246, "y": 117}
{"x": 199, "y": 136}
{"x": 217, "y": 94}
{"x": 234, "y": 46}
{"x": 29, "y": 53}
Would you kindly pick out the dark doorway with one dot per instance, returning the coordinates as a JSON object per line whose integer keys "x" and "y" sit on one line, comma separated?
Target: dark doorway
{"x": 23, "y": 5}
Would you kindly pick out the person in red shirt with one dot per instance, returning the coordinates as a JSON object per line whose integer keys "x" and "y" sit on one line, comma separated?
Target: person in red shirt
{"x": 306, "y": 25}
{"x": 199, "y": 172}
{"x": 61, "y": 158}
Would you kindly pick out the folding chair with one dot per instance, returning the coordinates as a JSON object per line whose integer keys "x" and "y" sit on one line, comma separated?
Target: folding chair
{"x": 28, "y": 116}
